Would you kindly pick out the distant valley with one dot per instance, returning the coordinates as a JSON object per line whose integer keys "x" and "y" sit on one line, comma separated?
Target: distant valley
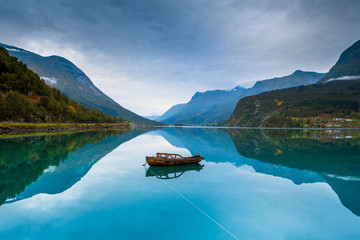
{"x": 214, "y": 107}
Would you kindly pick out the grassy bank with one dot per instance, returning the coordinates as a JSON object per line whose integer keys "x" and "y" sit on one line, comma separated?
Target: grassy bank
{"x": 53, "y": 127}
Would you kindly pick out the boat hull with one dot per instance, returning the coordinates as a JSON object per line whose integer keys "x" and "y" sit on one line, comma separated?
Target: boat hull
{"x": 154, "y": 161}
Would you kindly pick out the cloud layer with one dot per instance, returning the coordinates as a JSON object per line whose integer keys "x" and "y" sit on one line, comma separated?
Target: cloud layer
{"x": 149, "y": 55}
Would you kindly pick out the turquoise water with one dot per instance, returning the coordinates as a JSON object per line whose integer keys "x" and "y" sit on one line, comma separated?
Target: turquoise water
{"x": 253, "y": 184}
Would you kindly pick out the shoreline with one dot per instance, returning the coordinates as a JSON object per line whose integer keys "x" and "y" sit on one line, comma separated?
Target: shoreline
{"x": 8, "y": 128}
{"x": 270, "y": 128}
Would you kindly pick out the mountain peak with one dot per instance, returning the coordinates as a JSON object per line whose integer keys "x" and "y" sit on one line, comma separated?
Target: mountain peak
{"x": 298, "y": 72}
{"x": 196, "y": 95}
{"x": 347, "y": 65}
{"x": 239, "y": 88}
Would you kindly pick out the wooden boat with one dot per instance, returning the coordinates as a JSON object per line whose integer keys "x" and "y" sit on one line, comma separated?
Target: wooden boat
{"x": 170, "y": 172}
{"x": 172, "y": 159}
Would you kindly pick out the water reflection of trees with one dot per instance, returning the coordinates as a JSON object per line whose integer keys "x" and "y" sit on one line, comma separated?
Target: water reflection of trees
{"x": 317, "y": 151}
{"x": 23, "y": 160}
{"x": 333, "y": 155}
{"x": 298, "y": 155}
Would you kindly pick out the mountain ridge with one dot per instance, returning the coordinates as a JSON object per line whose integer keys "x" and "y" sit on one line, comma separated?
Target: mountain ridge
{"x": 171, "y": 112}
{"x": 334, "y": 101}
{"x": 215, "y": 106}
{"x": 347, "y": 66}
{"x": 24, "y": 97}
{"x": 62, "y": 74}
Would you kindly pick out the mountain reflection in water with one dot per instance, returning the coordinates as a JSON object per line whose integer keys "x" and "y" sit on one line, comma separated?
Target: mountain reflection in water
{"x": 51, "y": 164}
{"x": 333, "y": 156}
{"x": 298, "y": 155}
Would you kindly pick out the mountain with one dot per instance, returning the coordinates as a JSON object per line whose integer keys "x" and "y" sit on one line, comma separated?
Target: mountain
{"x": 24, "y": 97}
{"x": 216, "y": 106}
{"x": 174, "y": 110}
{"x": 298, "y": 78}
{"x": 347, "y": 67}
{"x": 62, "y": 74}
{"x": 152, "y": 117}
{"x": 207, "y": 108}
{"x": 335, "y": 103}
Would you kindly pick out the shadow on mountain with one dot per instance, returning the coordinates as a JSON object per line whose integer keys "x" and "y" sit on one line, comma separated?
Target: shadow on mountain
{"x": 334, "y": 156}
{"x": 54, "y": 163}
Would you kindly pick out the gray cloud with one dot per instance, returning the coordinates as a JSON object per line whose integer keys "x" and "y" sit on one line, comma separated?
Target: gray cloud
{"x": 165, "y": 51}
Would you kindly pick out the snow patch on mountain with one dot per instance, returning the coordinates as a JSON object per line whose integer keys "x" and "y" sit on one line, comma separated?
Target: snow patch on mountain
{"x": 343, "y": 78}
{"x": 12, "y": 49}
{"x": 49, "y": 81}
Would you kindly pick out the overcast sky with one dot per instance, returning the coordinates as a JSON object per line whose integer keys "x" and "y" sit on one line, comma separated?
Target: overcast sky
{"x": 149, "y": 55}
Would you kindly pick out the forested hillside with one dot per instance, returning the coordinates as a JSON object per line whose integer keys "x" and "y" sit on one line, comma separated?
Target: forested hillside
{"x": 24, "y": 97}
{"x": 62, "y": 74}
{"x": 333, "y": 104}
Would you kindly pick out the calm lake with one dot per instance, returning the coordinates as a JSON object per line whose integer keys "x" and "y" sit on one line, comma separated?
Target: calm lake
{"x": 252, "y": 184}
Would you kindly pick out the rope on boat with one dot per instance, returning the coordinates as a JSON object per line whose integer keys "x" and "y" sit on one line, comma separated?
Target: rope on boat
{"x": 198, "y": 208}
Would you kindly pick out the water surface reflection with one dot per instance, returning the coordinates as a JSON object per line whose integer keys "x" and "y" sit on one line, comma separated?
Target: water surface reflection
{"x": 170, "y": 172}
{"x": 302, "y": 156}
{"x": 51, "y": 164}
{"x": 257, "y": 184}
